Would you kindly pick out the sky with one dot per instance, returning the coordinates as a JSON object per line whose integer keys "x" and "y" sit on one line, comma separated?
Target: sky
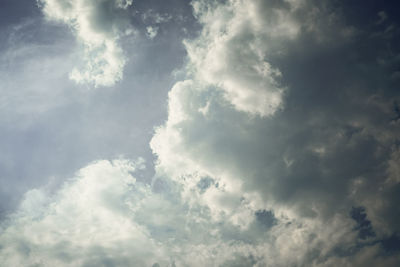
{"x": 199, "y": 133}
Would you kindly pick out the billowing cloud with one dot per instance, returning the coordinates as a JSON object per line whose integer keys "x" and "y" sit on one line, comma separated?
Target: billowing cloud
{"x": 233, "y": 49}
{"x": 241, "y": 40}
{"x": 106, "y": 217}
{"x": 87, "y": 223}
{"x": 98, "y": 25}
{"x": 280, "y": 149}
{"x": 325, "y": 150}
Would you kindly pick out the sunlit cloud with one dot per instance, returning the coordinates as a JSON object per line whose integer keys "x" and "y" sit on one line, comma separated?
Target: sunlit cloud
{"x": 98, "y": 26}
{"x": 243, "y": 133}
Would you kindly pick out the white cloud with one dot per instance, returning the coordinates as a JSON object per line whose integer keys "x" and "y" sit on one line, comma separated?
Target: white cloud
{"x": 87, "y": 223}
{"x": 151, "y": 31}
{"x": 233, "y": 49}
{"x": 104, "y": 217}
{"x": 98, "y": 25}
{"x": 267, "y": 190}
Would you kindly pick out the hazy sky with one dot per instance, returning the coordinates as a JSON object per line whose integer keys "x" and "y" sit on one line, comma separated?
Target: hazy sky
{"x": 199, "y": 133}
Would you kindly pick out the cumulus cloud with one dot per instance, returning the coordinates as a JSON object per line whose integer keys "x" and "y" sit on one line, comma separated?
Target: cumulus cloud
{"x": 233, "y": 48}
{"x": 331, "y": 146}
{"x": 105, "y": 217}
{"x": 87, "y": 223}
{"x": 280, "y": 149}
{"x": 98, "y": 26}
{"x": 240, "y": 42}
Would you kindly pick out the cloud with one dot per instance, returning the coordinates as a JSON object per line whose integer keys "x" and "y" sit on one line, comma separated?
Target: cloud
{"x": 233, "y": 48}
{"x": 296, "y": 155}
{"x": 87, "y": 223}
{"x": 151, "y": 31}
{"x": 293, "y": 165}
{"x": 44, "y": 114}
{"x": 105, "y": 217}
{"x": 326, "y": 146}
{"x": 98, "y": 26}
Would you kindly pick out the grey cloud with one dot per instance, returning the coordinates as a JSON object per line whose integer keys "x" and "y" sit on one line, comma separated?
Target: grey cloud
{"x": 329, "y": 148}
{"x": 312, "y": 182}
{"x": 342, "y": 134}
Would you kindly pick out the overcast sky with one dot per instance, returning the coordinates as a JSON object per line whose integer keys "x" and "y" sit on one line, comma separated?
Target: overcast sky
{"x": 199, "y": 133}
